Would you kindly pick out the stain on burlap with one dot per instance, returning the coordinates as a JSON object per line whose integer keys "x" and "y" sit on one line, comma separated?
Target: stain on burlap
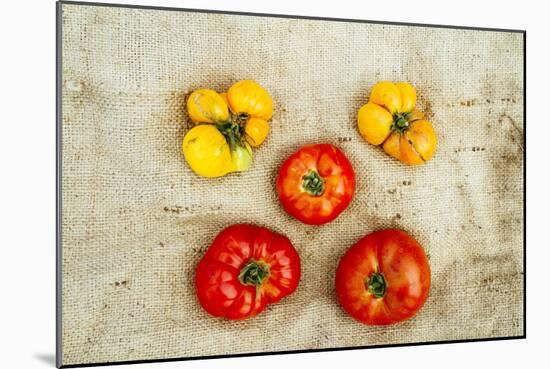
{"x": 136, "y": 220}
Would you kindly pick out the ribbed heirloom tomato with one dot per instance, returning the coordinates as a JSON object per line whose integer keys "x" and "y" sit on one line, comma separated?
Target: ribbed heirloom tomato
{"x": 227, "y": 125}
{"x": 246, "y": 268}
{"x": 391, "y": 120}
{"x": 316, "y": 183}
{"x": 384, "y": 278}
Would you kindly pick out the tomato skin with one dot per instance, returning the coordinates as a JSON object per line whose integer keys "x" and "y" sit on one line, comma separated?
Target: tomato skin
{"x": 256, "y": 131}
{"x": 250, "y": 98}
{"x": 207, "y": 106}
{"x": 401, "y": 261}
{"x": 219, "y": 281}
{"x": 207, "y": 152}
{"x": 332, "y": 168}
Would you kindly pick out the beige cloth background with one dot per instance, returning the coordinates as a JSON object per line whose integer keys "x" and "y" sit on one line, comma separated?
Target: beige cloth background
{"x": 136, "y": 220}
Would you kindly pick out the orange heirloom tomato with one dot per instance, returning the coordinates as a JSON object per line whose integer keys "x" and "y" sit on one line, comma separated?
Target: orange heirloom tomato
{"x": 316, "y": 184}
{"x": 253, "y": 107}
{"x": 246, "y": 268}
{"x": 384, "y": 278}
{"x": 389, "y": 119}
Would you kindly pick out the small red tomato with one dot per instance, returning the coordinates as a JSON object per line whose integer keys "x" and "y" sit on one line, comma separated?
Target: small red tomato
{"x": 316, "y": 183}
{"x": 384, "y": 278}
{"x": 246, "y": 268}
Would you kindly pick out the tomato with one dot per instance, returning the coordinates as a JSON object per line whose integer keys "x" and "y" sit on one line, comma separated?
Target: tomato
{"x": 240, "y": 118}
{"x": 246, "y": 268}
{"x": 384, "y": 278}
{"x": 389, "y": 119}
{"x": 316, "y": 183}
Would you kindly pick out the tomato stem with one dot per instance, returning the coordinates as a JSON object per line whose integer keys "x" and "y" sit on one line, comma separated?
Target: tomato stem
{"x": 253, "y": 273}
{"x": 313, "y": 183}
{"x": 376, "y": 284}
{"x": 240, "y": 118}
{"x": 233, "y": 134}
{"x": 401, "y": 121}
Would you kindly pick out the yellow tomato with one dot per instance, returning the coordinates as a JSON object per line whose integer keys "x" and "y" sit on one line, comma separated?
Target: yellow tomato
{"x": 207, "y": 152}
{"x": 235, "y": 121}
{"x": 249, "y": 98}
{"x": 256, "y": 130}
{"x": 390, "y": 119}
{"x": 207, "y": 106}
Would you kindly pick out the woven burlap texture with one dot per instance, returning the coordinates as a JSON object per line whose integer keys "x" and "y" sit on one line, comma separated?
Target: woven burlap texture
{"x": 136, "y": 219}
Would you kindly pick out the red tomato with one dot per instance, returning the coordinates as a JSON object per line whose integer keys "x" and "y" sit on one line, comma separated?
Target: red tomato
{"x": 316, "y": 183}
{"x": 246, "y": 268}
{"x": 384, "y": 278}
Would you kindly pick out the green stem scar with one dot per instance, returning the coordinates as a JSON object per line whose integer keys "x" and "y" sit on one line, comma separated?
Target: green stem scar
{"x": 253, "y": 273}
{"x": 233, "y": 133}
{"x": 376, "y": 284}
{"x": 313, "y": 183}
{"x": 401, "y": 121}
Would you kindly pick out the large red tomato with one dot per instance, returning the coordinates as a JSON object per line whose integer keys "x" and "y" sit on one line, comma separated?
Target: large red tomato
{"x": 316, "y": 183}
{"x": 384, "y": 278}
{"x": 246, "y": 268}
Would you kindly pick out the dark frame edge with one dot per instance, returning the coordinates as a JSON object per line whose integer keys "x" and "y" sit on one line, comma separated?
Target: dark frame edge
{"x": 525, "y": 184}
{"x": 58, "y": 185}
{"x": 292, "y": 352}
{"x": 212, "y": 11}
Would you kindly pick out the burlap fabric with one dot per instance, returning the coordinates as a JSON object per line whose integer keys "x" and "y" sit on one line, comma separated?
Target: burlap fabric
{"x": 136, "y": 220}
